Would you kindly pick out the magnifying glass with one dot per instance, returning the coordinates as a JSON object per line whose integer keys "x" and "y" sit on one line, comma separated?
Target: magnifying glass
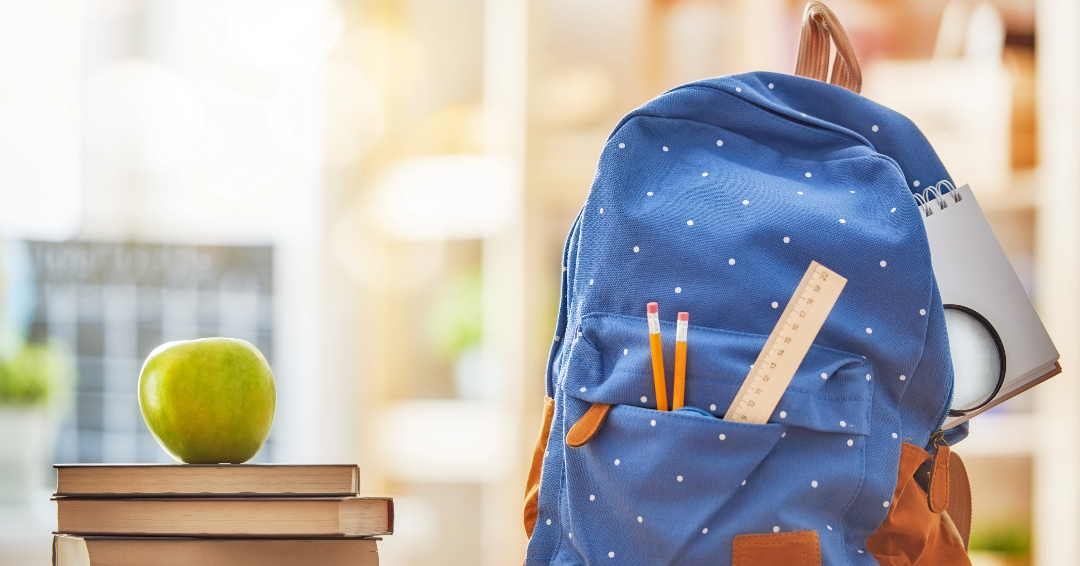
{"x": 978, "y": 358}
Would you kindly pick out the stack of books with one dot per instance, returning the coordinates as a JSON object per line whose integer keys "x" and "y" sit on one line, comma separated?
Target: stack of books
{"x": 236, "y": 515}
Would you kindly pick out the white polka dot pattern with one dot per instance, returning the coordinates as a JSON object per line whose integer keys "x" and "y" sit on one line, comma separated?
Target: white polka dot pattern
{"x": 746, "y": 211}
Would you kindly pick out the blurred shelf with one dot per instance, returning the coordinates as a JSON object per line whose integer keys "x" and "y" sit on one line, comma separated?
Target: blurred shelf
{"x": 447, "y": 441}
{"x": 26, "y": 532}
{"x": 1022, "y": 195}
{"x": 999, "y": 434}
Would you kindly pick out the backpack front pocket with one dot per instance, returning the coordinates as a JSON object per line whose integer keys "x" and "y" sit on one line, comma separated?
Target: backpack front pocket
{"x": 648, "y": 474}
{"x": 676, "y": 487}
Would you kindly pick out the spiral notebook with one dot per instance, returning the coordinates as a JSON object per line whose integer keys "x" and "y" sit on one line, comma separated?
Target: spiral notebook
{"x": 974, "y": 273}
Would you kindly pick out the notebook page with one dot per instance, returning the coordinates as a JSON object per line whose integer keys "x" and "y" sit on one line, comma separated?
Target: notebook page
{"x": 972, "y": 270}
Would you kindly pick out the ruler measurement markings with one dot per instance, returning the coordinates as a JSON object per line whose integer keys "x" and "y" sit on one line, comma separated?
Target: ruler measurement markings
{"x": 788, "y": 344}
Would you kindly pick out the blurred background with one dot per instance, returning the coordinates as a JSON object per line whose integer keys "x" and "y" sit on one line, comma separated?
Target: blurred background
{"x": 376, "y": 193}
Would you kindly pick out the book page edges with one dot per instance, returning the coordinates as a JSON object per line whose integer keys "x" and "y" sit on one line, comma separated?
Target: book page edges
{"x": 182, "y": 480}
{"x": 225, "y": 518}
{"x": 177, "y": 551}
{"x": 357, "y": 516}
{"x": 70, "y": 551}
{"x": 1019, "y": 386}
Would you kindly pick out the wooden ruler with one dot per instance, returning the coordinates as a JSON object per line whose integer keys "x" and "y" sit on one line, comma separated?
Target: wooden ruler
{"x": 803, "y": 317}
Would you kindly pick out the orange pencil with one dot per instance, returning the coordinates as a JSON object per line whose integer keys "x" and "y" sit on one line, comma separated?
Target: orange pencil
{"x": 680, "y": 361}
{"x": 652, "y": 311}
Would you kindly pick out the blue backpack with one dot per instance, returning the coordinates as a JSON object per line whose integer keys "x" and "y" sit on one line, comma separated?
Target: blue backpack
{"x": 713, "y": 199}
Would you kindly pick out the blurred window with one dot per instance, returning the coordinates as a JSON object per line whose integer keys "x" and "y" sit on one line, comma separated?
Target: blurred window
{"x": 113, "y": 303}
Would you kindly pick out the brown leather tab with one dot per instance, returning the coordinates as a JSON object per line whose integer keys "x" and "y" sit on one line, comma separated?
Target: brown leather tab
{"x": 911, "y": 534}
{"x": 587, "y": 425}
{"x": 800, "y": 548}
{"x": 959, "y": 507}
{"x": 532, "y": 485}
{"x": 938, "y": 498}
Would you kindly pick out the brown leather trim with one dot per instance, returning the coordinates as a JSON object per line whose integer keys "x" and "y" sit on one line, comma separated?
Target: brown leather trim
{"x": 587, "y": 425}
{"x": 532, "y": 484}
{"x": 938, "y": 497}
{"x": 911, "y": 534}
{"x": 800, "y": 548}
{"x": 959, "y": 508}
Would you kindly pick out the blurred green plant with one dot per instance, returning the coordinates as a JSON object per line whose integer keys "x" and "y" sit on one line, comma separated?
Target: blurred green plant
{"x": 35, "y": 374}
{"x": 1012, "y": 539}
{"x": 455, "y": 320}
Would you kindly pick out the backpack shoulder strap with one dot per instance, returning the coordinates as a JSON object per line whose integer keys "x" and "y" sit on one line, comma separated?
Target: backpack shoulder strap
{"x": 959, "y": 508}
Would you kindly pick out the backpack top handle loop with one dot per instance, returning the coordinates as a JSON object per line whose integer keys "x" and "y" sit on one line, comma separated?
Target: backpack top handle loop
{"x": 819, "y": 26}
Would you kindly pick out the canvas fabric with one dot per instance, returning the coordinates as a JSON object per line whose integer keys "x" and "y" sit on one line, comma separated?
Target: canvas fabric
{"x": 713, "y": 199}
{"x": 912, "y": 534}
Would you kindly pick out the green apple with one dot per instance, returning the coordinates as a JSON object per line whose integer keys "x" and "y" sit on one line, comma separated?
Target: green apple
{"x": 208, "y": 401}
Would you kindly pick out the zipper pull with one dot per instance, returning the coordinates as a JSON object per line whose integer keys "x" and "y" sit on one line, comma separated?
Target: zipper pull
{"x": 938, "y": 494}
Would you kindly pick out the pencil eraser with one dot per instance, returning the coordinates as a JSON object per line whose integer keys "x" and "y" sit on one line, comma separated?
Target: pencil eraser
{"x": 684, "y": 316}
{"x": 652, "y": 308}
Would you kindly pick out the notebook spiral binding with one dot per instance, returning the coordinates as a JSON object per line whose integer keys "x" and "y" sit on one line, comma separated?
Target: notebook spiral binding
{"x": 937, "y": 193}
